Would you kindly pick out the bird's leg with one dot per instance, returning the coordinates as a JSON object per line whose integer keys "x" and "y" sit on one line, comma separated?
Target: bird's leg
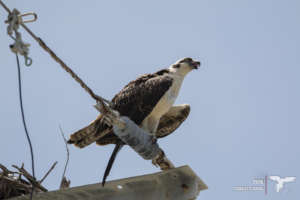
{"x": 162, "y": 161}
{"x": 153, "y": 134}
{"x": 152, "y": 126}
{"x": 154, "y": 139}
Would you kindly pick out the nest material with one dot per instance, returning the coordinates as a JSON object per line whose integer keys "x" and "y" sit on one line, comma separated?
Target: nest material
{"x": 11, "y": 186}
{"x": 17, "y": 183}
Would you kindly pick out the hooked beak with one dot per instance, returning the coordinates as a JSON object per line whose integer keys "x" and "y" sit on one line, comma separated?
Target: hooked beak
{"x": 195, "y": 64}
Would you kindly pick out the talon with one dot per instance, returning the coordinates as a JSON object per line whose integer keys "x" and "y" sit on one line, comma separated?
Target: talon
{"x": 154, "y": 140}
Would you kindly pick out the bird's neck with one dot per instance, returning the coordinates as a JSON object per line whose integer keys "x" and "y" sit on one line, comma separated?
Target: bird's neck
{"x": 180, "y": 73}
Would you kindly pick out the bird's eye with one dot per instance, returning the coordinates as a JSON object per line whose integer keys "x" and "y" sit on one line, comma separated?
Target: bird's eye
{"x": 176, "y": 66}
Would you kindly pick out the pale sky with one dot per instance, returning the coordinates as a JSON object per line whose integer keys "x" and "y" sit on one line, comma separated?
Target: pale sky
{"x": 244, "y": 120}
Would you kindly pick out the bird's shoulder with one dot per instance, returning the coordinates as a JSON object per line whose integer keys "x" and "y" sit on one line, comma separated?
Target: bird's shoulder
{"x": 145, "y": 77}
{"x": 138, "y": 98}
{"x": 146, "y": 82}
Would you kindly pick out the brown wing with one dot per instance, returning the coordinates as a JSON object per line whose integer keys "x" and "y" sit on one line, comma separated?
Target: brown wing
{"x": 167, "y": 124}
{"x": 172, "y": 120}
{"x": 90, "y": 133}
{"x": 136, "y": 100}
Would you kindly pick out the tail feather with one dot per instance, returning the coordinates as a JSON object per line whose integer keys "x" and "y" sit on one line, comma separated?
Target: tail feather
{"x": 89, "y": 134}
{"x": 110, "y": 163}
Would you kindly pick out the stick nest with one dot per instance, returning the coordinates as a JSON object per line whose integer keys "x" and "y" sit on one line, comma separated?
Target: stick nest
{"x": 19, "y": 182}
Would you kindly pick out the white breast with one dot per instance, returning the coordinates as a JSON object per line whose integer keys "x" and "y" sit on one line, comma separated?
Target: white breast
{"x": 168, "y": 98}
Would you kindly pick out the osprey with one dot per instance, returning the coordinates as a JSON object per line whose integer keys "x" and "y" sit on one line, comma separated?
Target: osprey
{"x": 148, "y": 101}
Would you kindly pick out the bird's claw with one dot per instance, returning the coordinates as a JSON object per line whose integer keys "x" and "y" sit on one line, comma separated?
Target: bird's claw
{"x": 154, "y": 140}
{"x": 162, "y": 161}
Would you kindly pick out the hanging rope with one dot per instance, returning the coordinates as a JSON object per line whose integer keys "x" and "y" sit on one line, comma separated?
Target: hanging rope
{"x": 19, "y": 47}
{"x": 24, "y": 122}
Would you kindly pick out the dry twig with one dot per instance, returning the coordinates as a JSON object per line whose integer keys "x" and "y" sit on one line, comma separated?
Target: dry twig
{"x": 12, "y": 184}
{"x": 45, "y": 176}
{"x": 30, "y": 178}
{"x": 65, "y": 183}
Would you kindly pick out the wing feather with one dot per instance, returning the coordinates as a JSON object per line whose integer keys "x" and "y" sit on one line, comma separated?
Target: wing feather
{"x": 168, "y": 124}
{"x": 136, "y": 100}
{"x": 170, "y": 121}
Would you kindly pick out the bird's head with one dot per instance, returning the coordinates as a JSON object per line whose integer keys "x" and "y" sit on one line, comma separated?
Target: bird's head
{"x": 184, "y": 66}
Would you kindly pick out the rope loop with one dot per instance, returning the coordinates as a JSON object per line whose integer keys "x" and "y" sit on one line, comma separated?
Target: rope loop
{"x": 28, "y": 61}
{"x": 34, "y": 15}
